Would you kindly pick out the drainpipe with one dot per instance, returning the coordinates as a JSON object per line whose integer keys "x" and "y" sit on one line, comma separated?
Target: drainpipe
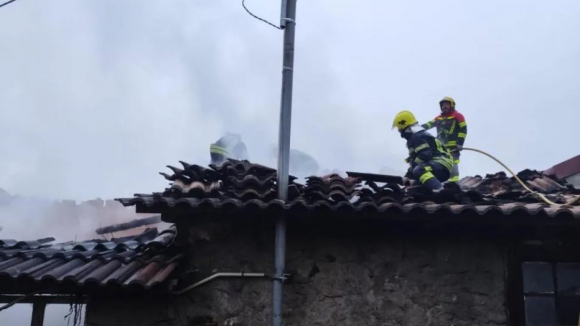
{"x": 288, "y": 23}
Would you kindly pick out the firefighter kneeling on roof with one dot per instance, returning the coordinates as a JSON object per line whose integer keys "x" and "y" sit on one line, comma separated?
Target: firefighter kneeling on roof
{"x": 430, "y": 162}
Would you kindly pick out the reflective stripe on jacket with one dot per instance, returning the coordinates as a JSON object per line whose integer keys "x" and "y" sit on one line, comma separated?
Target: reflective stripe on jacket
{"x": 225, "y": 145}
{"x": 230, "y": 146}
{"x": 451, "y": 128}
{"x": 424, "y": 148}
{"x": 218, "y": 150}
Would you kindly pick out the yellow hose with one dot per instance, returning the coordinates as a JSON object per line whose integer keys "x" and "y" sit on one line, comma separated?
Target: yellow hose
{"x": 539, "y": 195}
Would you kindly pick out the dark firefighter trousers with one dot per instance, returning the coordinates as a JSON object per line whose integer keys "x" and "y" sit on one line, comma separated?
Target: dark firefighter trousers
{"x": 431, "y": 174}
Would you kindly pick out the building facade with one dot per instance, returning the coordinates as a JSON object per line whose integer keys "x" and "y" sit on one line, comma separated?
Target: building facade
{"x": 370, "y": 254}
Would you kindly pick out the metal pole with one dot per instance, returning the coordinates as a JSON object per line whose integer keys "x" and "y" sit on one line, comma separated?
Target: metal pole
{"x": 288, "y": 18}
{"x": 283, "y": 14}
{"x": 38, "y": 313}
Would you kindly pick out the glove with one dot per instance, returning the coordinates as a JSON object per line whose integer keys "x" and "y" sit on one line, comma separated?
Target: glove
{"x": 408, "y": 160}
{"x": 459, "y": 148}
{"x": 406, "y": 181}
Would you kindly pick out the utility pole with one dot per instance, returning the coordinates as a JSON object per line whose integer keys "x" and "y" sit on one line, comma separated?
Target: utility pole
{"x": 288, "y": 23}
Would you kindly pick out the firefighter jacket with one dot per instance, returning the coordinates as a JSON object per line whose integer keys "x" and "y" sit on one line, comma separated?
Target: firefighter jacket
{"x": 230, "y": 146}
{"x": 451, "y": 129}
{"x": 424, "y": 148}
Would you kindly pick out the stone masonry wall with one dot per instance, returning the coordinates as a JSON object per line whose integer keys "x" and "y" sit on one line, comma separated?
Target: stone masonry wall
{"x": 350, "y": 278}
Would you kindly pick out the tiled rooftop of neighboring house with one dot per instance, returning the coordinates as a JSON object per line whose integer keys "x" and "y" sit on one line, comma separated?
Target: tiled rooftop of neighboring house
{"x": 566, "y": 168}
{"x": 135, "y": 263}
{"x": 239, "y": 185}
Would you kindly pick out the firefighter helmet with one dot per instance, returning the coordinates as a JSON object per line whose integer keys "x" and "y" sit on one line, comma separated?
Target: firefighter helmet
{"x": 403, "y": 120}
{"x": 447, "y": 99}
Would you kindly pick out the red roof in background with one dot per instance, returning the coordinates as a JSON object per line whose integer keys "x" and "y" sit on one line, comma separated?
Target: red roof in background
{"x": 566, "y": 168}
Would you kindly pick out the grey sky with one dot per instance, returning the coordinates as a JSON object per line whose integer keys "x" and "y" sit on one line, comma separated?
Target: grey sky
{"x": 98, "y": 96}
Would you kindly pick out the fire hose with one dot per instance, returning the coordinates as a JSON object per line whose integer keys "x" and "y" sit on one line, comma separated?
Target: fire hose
{"x": 537, "y": 194}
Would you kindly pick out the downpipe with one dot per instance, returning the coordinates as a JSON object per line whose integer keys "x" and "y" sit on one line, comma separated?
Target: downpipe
{"x": 288, "y": 22}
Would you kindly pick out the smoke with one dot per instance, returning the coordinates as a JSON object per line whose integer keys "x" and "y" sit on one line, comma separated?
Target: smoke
{"x": 303, "y": 164}
{"x": 31, "y": 218}
{"x": 121, "y": 97}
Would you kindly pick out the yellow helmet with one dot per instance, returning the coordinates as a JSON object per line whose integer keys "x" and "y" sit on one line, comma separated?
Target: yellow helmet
{"x": 448, "y": 99}
{"x": 404, "y": 119}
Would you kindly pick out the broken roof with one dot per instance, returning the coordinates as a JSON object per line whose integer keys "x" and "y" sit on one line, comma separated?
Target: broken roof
{"x": 241, "y": 185}
{"x": 129, "y": 264}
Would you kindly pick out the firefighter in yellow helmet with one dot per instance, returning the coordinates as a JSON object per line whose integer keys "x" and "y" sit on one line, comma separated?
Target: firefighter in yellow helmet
{"x": 430, "y": 162}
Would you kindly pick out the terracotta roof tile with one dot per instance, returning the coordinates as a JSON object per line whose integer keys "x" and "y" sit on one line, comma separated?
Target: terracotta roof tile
{"x": 141, "y": 261}
{"x": 247, "y": 186}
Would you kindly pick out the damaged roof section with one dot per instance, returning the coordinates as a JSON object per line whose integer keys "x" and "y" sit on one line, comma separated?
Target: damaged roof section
{"x": 134, "y": 263}
{"x": 129, "y": 225}
{"x": 497, "y": 184}
{"x": 242, "y": 185}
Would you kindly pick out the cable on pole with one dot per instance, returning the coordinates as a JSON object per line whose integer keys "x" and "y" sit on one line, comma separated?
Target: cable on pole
{"x": 258, "y": 18}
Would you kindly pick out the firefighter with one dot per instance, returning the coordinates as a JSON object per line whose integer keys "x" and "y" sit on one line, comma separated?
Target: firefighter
{"x": 301, "y": 163}
{"x": 451, "y": 131}
{"x": 430, "y": 162}
{"x": 230, "y": 146}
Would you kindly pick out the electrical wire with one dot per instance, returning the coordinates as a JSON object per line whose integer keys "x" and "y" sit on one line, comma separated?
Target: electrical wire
{"x": 258, "y": 18}
{"x": 6, "y": 3}
{"x": 539, "y": 195}
{"x": 8, "y": 305}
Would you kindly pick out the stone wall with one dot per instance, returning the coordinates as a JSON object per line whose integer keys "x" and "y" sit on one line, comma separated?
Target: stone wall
{"x": 351, "y": 277}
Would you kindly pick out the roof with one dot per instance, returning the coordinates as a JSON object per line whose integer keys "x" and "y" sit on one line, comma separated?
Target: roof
{"x": 566, "y": 168}
{"x": 242, "y": 186}
{"x": 129, "y": 264}
{"x": 131, "y": 225}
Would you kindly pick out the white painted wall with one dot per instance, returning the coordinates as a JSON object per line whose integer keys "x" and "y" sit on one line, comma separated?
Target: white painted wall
{"x": 574, "y": 180}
